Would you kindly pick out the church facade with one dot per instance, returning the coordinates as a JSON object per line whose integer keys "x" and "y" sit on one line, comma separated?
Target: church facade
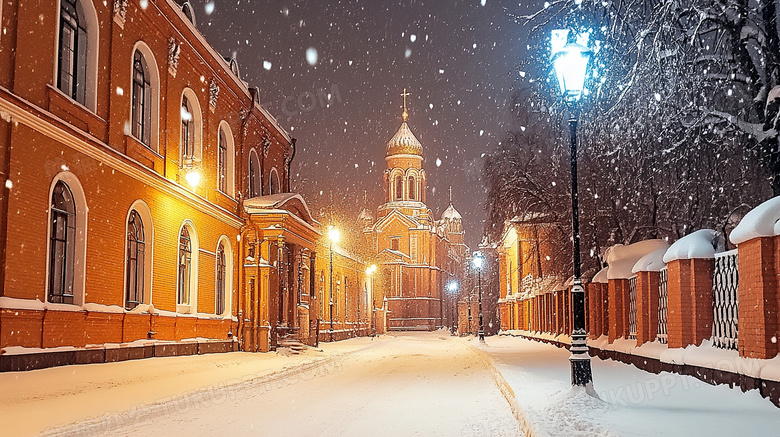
{"x": 417, "y": 254}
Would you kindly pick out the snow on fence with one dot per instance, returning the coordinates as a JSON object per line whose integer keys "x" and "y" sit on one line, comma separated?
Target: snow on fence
{"x": 632, "y": 307}
{"x": 663, "y": 299}
{"x": 725, "y": 304}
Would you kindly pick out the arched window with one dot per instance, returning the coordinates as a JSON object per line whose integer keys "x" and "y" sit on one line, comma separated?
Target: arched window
{"x": 412, "y": 190}
{"x": 135, "y": 261}
{"x": 187, "y": 130}
{"x": 188, "y": 12}
{"x": 221, "y": 270}
{"x": 62, "y": 244}
{"x": 255, "y": 181}
{"x": 185, "y": 267}
{"x": 222, "y": 161}
{"x": 399, "y": 187}
{"x": 72, "y": 72}
{"x": 142, "y": 100}
{"x": 273, "y": 182}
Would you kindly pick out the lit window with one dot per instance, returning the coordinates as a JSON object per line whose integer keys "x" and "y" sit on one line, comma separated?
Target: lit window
{"x": 220, "y": 304}
{"x": 222, "y": 164}
{"x": 185, "y": 266}
{"x": 142, "y": 100}
{"x": 187, "y": 130}
{"x": 72, "y": 73}
{"x": 62, "y": 244}
{"x": 136, "y": 245}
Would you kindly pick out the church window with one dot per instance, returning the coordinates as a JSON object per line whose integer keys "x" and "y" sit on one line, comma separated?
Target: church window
{"x": 399, "y": 188}
{"x": 394, "y": 243}
{"x": 412, "y": 188}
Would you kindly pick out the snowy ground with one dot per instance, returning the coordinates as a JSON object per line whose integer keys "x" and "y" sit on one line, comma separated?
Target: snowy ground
{"x": 633, "y": 402}
{"x": 407, "y": 384}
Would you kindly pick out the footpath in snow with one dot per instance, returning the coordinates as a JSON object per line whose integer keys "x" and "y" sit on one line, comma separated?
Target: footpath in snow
{"x": 632, "y": 402}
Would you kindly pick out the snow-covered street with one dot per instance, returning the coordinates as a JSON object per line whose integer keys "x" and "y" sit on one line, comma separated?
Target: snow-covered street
{"x": 633, "y": 402}
{"x": 427, "y": 384}
{"x": 405, "y": 384}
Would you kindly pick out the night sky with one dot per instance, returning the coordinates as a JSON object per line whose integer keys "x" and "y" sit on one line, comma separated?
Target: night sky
{"x": 458, "y": 59}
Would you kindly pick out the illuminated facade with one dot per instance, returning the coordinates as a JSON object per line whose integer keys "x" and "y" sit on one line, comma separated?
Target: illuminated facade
{"x": 417, "y": 254}
{"x": 146, "y": 189}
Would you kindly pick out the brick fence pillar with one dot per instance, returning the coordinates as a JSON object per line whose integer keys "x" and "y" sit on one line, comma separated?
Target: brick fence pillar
{"x": 593, "y": 291}
{"x": 758, "y": 297}
{"x": 647, "y": 306}
{"x": 679, "y": 324}
{"x": 689, "y": 315}
{"x": 618, "y": 308}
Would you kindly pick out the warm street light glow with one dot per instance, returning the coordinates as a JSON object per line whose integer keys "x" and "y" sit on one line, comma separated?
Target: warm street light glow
{"x": 452, "y": 286}
{"x": 570, "y": 61}
{"x": 333, "y": 235}
{"x": 193, "y": 178}
{"x": 478, "y": 260}
{"x": 371, "y": 269}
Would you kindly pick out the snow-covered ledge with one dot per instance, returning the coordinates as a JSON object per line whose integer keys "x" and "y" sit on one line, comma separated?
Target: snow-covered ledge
{"x": 761, "y": 221}
{"x": 702, "y": 244}
{"x": 621, "y": 259}
{"x": 652, "y": 262}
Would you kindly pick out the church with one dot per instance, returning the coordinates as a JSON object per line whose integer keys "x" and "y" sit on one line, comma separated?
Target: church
{"x": 417, "y": 255}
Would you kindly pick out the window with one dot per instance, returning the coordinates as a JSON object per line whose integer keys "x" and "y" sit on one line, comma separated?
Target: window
{"x": 346, "y": 302}
{"x": 222, "y": 161}
{"x": 412, "y": 186}
{"x": 188, "y": 12}
{"x": 136, "y": 245}
{"x": 220, "y": 304}
{"x": 255, "y": 183}
{"x": 62, "y": 244}
{"x": 413, "y": 248}
{"x": 394, "y": 243}
{"x": 72, "y": 71}
{"x": 142, "y": 100}
{"x": 399, "y": 187}
{"x": 273, "y": 182}
{"x": 185, "y": 267}
{"x": 187, "y": 130}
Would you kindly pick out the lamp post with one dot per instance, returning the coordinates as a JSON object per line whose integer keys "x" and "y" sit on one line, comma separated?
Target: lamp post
{"x": 570, "y": 61}
{"x": 478, "y": 262}
{"x": 333, "y": 236}
{"x": 370, "y": 273}
{"x": 452, "y": 290}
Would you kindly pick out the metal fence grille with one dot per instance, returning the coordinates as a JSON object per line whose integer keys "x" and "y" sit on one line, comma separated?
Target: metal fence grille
{"x": 632, "y": 308}
{"x": 725, "y": 305}
{"x": 662, "y": 305}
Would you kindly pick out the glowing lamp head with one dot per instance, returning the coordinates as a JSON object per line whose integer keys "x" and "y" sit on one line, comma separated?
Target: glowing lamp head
{"x": 193, "y": 178}
{"x": 478, "y": 261}
{"x": 452, "y": 286}
{"x": 333, "y": 235}
{"x": 570, "y": 61}
{"x": 370, "y": 270}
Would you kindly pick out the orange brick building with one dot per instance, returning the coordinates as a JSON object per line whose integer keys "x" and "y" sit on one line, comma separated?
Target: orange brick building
{"x": 146, "y": 189}
{"x": 417, "y": 254}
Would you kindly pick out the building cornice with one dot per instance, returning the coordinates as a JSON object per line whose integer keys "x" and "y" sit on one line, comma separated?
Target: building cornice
{"x": 13, "y": 108}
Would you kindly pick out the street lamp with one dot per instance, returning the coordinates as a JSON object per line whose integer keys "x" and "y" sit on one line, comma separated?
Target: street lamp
{"x": 570, "y": 57}
{"x": 478, "y": 262}
{"x": 370, "y": 273}
{"x": 452, "y": 290}
{"x": 334, "y": 237}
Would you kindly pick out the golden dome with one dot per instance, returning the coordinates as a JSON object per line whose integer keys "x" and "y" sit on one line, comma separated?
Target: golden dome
{"x": 404, "y": 142}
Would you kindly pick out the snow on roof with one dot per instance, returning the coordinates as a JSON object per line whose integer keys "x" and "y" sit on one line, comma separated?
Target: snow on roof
{"x": 621, "y": 258}
{"x": 761, "y": 221}
{"x": 704, "y": 243}
{"x": 451, "y": 214}
{"x": 652, "y": 262}
{"x": 601, "y": 276}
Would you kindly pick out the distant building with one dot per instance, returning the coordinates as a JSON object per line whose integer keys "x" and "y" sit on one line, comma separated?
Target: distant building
{"x": 417, "y": 254}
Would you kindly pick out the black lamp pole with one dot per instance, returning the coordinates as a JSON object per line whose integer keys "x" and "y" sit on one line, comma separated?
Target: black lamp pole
{"x": 581, "y": 374}
{"x": 331, "y": 291}
{"x": 481, "y": 326}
